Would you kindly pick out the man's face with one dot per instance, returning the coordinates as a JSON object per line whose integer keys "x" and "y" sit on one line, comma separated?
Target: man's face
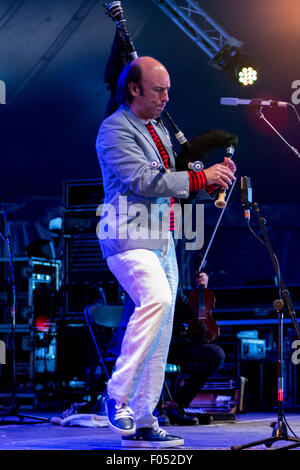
{"x": 151, "y": 97}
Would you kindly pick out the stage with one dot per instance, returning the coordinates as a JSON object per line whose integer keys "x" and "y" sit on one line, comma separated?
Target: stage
{"x": 219, "y": 436}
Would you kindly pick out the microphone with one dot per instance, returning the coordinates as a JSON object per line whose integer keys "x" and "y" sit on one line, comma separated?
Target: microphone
{"x": 254, "y": 102}
{"x": 246, "y": 196}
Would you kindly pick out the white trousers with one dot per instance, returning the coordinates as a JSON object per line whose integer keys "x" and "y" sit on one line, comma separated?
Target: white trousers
{"x": 150, "y": 278}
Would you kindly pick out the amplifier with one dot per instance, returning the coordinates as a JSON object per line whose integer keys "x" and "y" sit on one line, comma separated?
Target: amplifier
{"x": 37, "y": 286}
{"x": 253, "y": 349}
{"x": 24, "y": 346}
{"x": 33, "y": 278}
{"x": 251, "y": 303}
{"x": 85, "y": 268}
{"x": 86, "y": 194}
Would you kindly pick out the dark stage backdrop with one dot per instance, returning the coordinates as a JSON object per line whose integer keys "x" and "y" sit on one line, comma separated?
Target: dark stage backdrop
{"x": 53, "y": 54}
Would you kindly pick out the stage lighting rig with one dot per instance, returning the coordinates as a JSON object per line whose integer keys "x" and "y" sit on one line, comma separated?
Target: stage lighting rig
{"x": 225, "y": 51}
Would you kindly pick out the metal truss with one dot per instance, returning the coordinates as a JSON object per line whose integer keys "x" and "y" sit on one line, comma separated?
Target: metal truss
{"x": 200, "y": 27}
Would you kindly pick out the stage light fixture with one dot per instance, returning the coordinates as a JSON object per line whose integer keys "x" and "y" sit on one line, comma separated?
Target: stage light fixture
{"x": 247, "y": 76}
{"x": 235, "y": 61}
{"x": 245, "y": 69}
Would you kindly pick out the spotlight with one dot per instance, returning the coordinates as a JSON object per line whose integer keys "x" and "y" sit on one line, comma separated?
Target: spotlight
{"x": 233, "y": 60}
{"x": 247, "y": 76}
{"x": 245, "y": 70}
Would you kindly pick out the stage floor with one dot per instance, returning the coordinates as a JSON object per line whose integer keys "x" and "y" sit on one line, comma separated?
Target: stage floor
{"x": 32, "y": 435}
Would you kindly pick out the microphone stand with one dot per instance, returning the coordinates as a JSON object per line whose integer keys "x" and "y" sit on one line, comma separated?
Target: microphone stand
{"x": 263, "y": 117}
{"x": 280, "y": 432}
{"x": 284, "y": 292}
{"x": 13, "y": 408}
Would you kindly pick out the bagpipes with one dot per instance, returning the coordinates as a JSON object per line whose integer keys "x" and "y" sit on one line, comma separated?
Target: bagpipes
{"x": 192, "y": 153}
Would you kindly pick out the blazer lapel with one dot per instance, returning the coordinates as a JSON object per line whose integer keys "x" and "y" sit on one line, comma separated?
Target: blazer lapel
{"x": 140, "y": 126}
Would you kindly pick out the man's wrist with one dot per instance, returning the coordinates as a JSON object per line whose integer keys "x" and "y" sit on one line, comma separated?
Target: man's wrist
{"x": 197, "y": 180}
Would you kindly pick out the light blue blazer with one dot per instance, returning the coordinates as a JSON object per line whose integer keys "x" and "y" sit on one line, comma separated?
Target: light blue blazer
{"x": 136, "y": 196}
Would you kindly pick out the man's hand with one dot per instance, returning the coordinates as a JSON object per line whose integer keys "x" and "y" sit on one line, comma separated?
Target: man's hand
{"x": 202, "y": 279}
{"x": 229, "y": 164}
{"x": 220, "y": 174}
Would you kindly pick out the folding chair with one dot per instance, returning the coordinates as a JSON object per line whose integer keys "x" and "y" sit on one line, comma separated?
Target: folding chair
{"x": 103, "y": 315}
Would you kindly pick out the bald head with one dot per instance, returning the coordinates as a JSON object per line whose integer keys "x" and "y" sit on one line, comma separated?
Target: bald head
{"x": 149, "y": 65}
{"x": 145, "y": 83}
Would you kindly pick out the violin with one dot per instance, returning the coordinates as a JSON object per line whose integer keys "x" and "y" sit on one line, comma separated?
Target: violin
{"x": 202, "y": 301}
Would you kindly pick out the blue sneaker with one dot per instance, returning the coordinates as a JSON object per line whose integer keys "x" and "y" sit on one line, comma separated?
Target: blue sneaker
{"x": 120, "y": 417}
{"x": 156, "y": 438}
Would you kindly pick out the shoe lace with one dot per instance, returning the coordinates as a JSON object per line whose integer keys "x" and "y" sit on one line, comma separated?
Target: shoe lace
{"x": 123, "y": 411}
{"x": 161, "y": 432}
